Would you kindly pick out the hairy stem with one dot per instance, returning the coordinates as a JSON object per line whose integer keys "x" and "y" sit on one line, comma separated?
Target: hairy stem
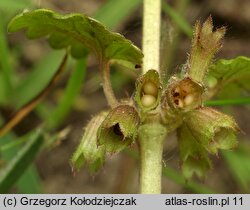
{"x": 151, "y": 138}
{"x": 107, "y": 88}
{"x": 151, "y": 34}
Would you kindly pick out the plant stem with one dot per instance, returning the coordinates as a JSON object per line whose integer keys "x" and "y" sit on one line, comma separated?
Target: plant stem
{"x": 107, "y": 88}
{"x": 151, "y": 34}
{"x": 151, "y": 138}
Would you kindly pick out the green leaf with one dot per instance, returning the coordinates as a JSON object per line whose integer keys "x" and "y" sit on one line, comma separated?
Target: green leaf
{"x": 229, "y": 78}
{"x": 121, "y": 10}
{"x": 194, "y": 157}
{"x": 76, "y": 31}
{"x": 13, "y": 171}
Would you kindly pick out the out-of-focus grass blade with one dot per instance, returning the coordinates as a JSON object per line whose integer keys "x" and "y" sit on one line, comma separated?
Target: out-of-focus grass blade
{"x": 113, "y": 12}
{"x": 5, "y": 66}
{"x": 228, "y": 102}
{"x": 37, "y": 79}
{"x": 238, "y": 162}
{"x": 20, "y": 162}
{"x": 29, "y": 182}
{"x": 72, "y": 89}
{"x": 178, "y": 19}
{"x": 2, "y": 91}
{"x": 13, "y": 144}
{"x": 27, "y": 108}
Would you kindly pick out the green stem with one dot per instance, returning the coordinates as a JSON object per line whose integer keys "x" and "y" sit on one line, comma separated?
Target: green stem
{"x": 151, "y": 138}
{"x": 151, "y": 34}
{"x": 228, "y": 102}
{"x": 106, "y": 83}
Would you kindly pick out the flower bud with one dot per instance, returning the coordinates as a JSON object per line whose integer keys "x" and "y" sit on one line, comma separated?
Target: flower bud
{"x": 119, "y": 128}
{"x": 148, "y": 91}
{"x": 212, "y": 129}
{"x": 194, "y": 157}
{"x": 205, "y": 44}
{"x": 88, "y": 152}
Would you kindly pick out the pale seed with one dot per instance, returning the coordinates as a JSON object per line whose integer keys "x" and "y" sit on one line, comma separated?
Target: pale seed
{"x": 148, "y": 100}
{"x": 149, "y": 88}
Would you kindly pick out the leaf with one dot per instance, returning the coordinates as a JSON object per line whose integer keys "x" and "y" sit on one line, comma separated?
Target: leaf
{"x": 13, "y": 171}
{"x": 76, "y": 31}
{"x": 229, "y": 78}
{"x": 194, "y": 157}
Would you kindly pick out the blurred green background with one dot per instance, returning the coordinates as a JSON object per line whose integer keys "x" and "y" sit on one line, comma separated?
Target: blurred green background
{"x": 35, "y": 160}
